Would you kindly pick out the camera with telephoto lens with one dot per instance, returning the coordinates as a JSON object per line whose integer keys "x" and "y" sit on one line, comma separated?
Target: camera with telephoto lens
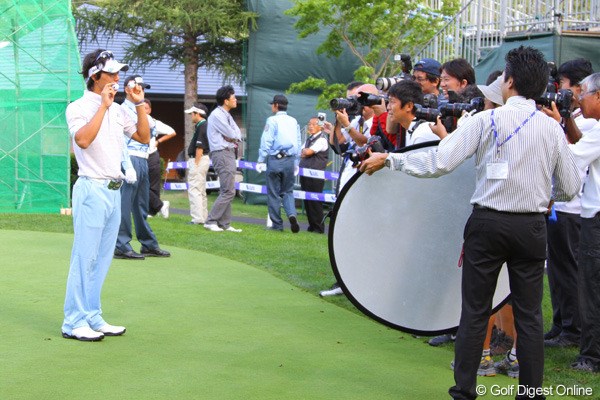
{"x": 563, "y": 99}
{"x": 351, "y": 105}
{"x": 362, "y": 153}
{"x": 385, "y": 83}
{"x": 456, "y": 109}
{"x": 448, "y": 110}
{"x": 321, "y": 118}
{"x": 369, "y": 100}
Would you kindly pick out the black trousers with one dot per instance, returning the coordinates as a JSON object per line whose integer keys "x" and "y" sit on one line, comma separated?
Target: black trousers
{"x": 314, "y": 208}
{"x": 490, "y": 239}
{"x": 154, "y": 176}
{"x": 563, "y": 246}
{"x": 589, "y": 288}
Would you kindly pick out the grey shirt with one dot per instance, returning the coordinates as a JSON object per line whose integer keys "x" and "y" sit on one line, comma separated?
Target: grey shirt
{"x": 221, "y": 126}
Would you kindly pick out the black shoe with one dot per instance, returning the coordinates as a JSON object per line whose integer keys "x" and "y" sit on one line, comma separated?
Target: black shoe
{"x": 442, "y": 339}
{"x": 552, "y": 333}
{"x": 561, "y": 341}
{"x": 157, "y": 252}
{"x": 294, "y": 224}
{"x": 128, "y": 255}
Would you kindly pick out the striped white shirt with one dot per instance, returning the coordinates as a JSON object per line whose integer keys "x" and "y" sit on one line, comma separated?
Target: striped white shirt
{"x": 537, "y": 156}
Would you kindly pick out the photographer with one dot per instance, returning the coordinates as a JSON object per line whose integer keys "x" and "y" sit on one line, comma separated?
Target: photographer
{"x": 563, "y": 233}
{"x": 587, "y": 153}
{"x": 521, "y": 159}
{"x": 456, "y": 75}
{"x": 426, "y": 73}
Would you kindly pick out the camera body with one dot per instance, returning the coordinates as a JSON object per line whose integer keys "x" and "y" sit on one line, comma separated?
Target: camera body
{"x": 369, "y": 100}
{"x": 563, "y": 99}
{"x": 321, "y": 118}
{"x": 351, "y": 105}
{"x": 115, "y": 87}
{"x": 362, "y": 153}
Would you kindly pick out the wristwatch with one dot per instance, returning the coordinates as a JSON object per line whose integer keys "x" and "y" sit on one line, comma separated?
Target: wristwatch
{"x": 388, "y": 162}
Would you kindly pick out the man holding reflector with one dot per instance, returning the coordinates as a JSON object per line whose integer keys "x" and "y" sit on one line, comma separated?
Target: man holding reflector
{"x": 522, "y": 162}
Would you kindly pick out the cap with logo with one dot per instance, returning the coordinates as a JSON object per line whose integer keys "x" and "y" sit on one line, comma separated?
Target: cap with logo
{"x": 106, "y": 62}
{"x": 138, "y": 80}
{"x": 429, "y": 66}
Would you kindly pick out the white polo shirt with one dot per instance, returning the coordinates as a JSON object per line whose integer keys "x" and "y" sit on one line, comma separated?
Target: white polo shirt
{"x": 102, "y": 158}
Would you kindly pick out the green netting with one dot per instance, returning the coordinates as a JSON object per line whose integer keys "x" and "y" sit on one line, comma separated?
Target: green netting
{"x": 39, "y": 64}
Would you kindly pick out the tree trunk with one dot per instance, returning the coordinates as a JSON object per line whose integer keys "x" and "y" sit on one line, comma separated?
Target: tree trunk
{"x": 190, "y": 72}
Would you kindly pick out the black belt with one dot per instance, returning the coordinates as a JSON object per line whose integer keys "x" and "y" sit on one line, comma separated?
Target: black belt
{"x": 482, "y": 208}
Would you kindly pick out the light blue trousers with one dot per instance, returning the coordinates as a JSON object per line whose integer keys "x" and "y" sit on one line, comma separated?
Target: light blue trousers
{"x": 96, "y": 219}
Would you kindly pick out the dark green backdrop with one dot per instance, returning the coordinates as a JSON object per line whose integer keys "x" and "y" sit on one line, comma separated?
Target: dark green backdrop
{"x": 276, "y": 59}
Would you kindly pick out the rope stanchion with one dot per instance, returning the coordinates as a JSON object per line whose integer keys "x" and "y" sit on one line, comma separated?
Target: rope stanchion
{"x": 260, "y": 189}
{"x": 310, "y": 173}
{"x": 250, "y": 187}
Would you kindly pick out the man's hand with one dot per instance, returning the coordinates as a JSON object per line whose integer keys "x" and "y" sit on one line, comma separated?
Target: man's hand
{"x": 342, "y": 117}
{"x": 328, "y": 128}
{"x": 552, "y": 112}
{"x": 108, "y": 95}
{"x": 136, "y": 93}
{"x": 374, "y": 163}
{"x": 438, "y": 128}
{"x": 130, "y": 176}
{"x": 261, "y": 167}
{"x": 379, "y": 109}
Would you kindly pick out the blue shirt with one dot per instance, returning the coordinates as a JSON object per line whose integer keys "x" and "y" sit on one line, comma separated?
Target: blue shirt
{"x": 220, "y": 126}
{"x": 137, "y": 147}
{"x": 281, "y": 134}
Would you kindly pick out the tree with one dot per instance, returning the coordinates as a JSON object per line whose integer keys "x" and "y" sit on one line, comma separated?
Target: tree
{"x": 374, "y": 32}
{"x": 191, "y": 33}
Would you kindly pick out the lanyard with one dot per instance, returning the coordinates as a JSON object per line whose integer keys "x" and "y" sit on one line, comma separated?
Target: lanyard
{"x": 498, "y": 143}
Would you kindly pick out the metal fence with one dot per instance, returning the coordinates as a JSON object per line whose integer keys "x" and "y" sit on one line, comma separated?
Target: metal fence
{"x": 482, "y": 25}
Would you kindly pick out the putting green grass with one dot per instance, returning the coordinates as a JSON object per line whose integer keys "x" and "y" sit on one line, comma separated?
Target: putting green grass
{"x": 199, "y": 327}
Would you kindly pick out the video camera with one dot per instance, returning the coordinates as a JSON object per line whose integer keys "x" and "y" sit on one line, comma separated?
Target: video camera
{"x": 385, "y": 83}
{"x": 563, "y": 99}
{"x": 362, "y": 153}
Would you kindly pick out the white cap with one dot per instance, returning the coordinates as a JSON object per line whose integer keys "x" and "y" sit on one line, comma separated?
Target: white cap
{"x": 111, "y": 66}
{"x": 196, "y": 110}
{"x": 493, "y": 92}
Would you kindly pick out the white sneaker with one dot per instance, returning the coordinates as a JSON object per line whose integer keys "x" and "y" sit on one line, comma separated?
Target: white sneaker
{"x": 85, "y": 334}
{"x": 213, "y": 227}
{"x": 269, "y": 222}
{"x": 164, "y": 210}
{"x": 111, "y": 330}
{"x": 232, "y": 229}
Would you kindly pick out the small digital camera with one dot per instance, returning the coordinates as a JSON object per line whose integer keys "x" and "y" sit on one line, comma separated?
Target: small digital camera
{"x": 115, "y": 87}
{"x": 321, "y": 118}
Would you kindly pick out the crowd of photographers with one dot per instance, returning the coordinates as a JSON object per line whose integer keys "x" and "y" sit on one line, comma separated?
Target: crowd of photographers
{"x": 429, "y": 104}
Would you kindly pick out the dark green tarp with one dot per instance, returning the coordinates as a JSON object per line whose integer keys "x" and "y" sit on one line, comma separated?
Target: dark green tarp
{"x": 276, "y": 59}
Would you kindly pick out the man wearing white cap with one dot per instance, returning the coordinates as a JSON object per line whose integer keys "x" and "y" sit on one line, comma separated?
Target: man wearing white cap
{"x": 97, "y": 124}
{"x": 198, "y": 164}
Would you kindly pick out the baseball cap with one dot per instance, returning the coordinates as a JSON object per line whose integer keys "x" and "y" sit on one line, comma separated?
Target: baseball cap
{"x": 279, "y": 99}
{"x": 429, "y": 66}
{"x": 197, "y": 108}
{"x": 493, "y": 92}
{"x": 138, "y": 80}
{"x": 106, "y": 62}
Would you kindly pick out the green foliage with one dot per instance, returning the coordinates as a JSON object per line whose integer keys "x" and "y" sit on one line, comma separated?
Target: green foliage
{"x": 372, "y": 31}
{"x": 202, "y": 33}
